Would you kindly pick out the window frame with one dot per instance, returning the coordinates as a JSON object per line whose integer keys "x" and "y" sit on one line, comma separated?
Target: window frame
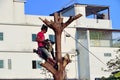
{"x": 9, "y": 64}
{"x": 35, "y": 64}
{"x": 1, "y": 36}
{"x": 1, "y": 64}
{"x": 34, "y": 37}
{"x": 52, "y": 37}
{"x": 107, "y": 54}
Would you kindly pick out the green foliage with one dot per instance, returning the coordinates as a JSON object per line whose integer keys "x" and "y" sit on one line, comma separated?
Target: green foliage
{"x": 117, "y": 74}
{"x": 111, "y": 77}
{"x": 114, "y": 64}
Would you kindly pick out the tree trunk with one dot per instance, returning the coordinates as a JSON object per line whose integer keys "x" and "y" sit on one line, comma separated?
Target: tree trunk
{"x": 58, "y": 46}
{"x": 60, "y": 73}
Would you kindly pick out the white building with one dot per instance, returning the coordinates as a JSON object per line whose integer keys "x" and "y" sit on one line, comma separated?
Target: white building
{"x": 89, "y": 40}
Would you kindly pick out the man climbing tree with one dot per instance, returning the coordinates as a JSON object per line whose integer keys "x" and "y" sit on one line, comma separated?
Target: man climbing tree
{"x": 58, "y": 26}
{"x": 43, "y": 46}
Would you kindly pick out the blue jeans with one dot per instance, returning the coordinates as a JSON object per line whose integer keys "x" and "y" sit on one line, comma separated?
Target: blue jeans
{"x": 43, "y": 52}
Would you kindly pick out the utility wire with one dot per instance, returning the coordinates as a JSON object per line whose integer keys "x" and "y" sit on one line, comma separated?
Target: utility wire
{"x": 85, "y": 48}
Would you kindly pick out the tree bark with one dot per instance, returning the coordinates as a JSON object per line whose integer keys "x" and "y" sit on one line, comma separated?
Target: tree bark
{"x": 58, "y": 46}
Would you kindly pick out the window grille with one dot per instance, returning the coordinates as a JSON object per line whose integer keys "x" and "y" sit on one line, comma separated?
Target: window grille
{"x": 107, "y": 54}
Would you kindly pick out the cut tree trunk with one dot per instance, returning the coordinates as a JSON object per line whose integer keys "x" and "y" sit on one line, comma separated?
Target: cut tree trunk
{"x": 58, "y": 26}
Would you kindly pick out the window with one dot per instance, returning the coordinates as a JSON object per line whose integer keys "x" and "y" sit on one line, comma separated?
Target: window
{"x": 100, "y": 38}
{"x": 34, "y": 37}
{"x": 9, "y": 64}
{"x": 1, "y": 63}
{"x": 96, "y": 35}
{"x": 52, "y": 37}
{"x": 35, "y": 64}
{"x": 107, "y": 54}
{"x": 1, "y": 36}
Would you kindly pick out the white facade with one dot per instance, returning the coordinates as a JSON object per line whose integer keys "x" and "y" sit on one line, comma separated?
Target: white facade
{"x": 16, "y": 45}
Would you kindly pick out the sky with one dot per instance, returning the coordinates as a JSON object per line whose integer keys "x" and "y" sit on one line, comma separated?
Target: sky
{"x": 46, "y": 7}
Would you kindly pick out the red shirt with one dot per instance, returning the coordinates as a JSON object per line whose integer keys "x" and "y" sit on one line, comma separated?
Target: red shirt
{"x": 42, "y": 37}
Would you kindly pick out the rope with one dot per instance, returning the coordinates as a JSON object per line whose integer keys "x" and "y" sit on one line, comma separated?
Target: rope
{"x": 86, "y": 48}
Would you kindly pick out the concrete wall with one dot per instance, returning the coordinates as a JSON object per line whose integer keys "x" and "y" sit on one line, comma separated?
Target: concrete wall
{"x": 83, "y": 57}
{"x": 99, "y": 65}
{"x": 11, "y": 12}
{"x": 6, "y": 11}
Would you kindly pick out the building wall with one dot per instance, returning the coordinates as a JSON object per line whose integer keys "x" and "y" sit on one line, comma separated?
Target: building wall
{"x": 21, "y": 66}
{"x": 6, "y": 11}
{"x": 18, "y": 13}
{"x": 11, "y": 12}
{"x": 95, "y": 23}
{"x": 83, "y": 57}
{"x": 17, "y": 37}
{"x": 98, "y": 65}
{"x": 17, "y": 45}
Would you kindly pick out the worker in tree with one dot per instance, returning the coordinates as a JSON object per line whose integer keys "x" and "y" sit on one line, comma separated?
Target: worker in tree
{"x": 42, "y": 50}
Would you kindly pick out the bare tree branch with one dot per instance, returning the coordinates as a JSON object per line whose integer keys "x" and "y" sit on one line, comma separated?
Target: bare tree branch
{"x": 49, "y": 67}
{"x": 56, "y": 17}
{"x": 66, "y": 60}
{"x": 71, "y": 19}
{"x": 60, "y": 20}
{"x": 48, "y": 23}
